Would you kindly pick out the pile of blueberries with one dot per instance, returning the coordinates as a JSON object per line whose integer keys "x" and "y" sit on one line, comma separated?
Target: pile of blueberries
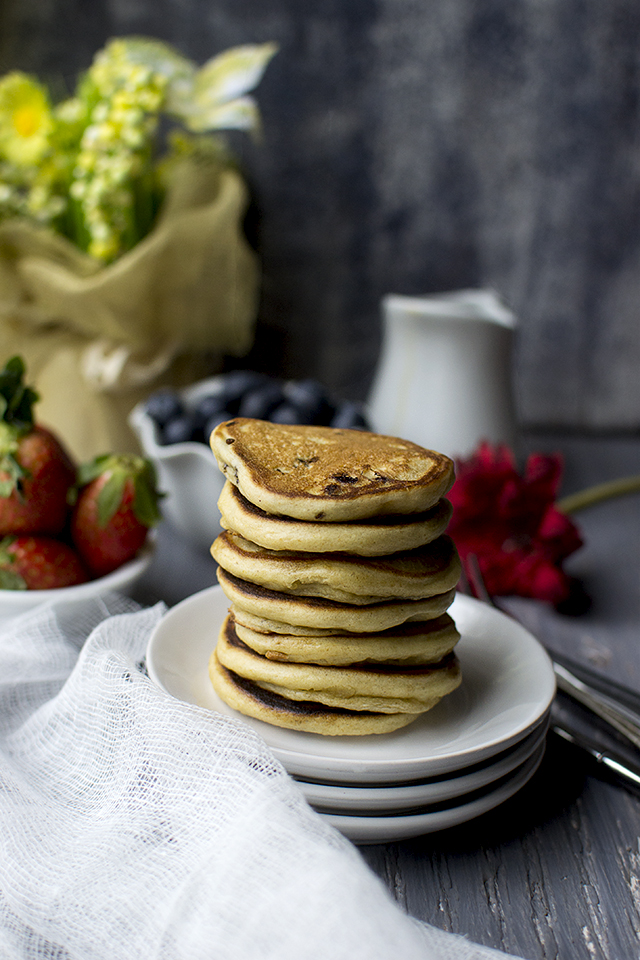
{"x": 247, "y": 393}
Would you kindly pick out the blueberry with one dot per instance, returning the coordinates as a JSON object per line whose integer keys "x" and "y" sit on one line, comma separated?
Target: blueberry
{"x": 210, "y": 406}
{"x": 260, "y": 402}
{"x": 237, "y": 383}
{"x": 286, "y": 413}
{"x": 311, "y": 400}
{"x": 350, "y": 416}
{"x": 179, "y": 429}
{"x": 212, "y": 423}
{"x": 164, "y": 405}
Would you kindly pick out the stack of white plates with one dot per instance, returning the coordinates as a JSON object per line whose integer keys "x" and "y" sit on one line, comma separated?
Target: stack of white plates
{"x": 474, "y": 750}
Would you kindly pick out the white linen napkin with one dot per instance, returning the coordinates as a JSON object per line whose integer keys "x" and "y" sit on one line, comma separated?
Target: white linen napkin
{"x": 137, "y": 827}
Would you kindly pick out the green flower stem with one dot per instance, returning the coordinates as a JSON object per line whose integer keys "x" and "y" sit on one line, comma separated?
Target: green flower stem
{"x": 602, "y": 491}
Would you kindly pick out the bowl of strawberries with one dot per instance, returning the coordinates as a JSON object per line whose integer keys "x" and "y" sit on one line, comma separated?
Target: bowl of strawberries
{"x": 66, "y": 531}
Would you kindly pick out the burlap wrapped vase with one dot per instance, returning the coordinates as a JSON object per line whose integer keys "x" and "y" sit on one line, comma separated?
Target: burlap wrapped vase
{"x": 97, "y": 339}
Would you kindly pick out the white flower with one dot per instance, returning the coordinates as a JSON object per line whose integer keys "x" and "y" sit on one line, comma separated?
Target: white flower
{"x": 70, "y": 111}
{"x": 214, "y": 97}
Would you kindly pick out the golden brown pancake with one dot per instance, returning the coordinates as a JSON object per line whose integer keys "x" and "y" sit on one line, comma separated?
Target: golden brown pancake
{"x": 253, "y": 701}
{"x": 329, "y": 614}
{"x": 265, "y": 625}
{"x": 325, "y": 474}
{"x": 374, "y": 537}
{"x": 410, "y": 643}
{"x": 412, "y": 574}
{"x": 378, "y": 688}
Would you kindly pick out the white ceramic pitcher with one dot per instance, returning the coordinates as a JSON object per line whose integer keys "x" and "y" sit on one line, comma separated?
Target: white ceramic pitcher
{"x": 444, "y": 375}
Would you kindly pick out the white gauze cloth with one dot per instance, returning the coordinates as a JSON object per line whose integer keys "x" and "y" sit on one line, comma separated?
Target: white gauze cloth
{"x": 137, "y": 827}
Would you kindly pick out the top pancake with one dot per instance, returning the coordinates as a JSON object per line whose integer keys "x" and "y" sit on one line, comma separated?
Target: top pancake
{"x": 325, "y": 474}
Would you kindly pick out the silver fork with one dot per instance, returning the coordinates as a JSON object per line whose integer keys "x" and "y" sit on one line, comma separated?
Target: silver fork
{"x": 587, "y": 690}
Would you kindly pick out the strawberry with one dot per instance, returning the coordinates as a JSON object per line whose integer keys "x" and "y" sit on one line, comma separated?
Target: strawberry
{"x": 36, "y": 472}
{"x": 116, "y": 505}
{"x": 39, "y": 563}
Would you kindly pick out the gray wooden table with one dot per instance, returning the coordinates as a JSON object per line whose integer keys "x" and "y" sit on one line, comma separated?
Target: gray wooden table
{"x": 555, "y": 871}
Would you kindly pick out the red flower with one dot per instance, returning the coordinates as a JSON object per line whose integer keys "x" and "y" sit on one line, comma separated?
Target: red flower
{"x": 509, "y": 522}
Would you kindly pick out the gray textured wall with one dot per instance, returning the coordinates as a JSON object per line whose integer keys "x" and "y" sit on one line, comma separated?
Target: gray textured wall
{"x": 413, "y": 146}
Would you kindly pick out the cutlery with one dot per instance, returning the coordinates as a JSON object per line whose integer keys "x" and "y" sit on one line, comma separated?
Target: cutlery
{"x": 619, "y": 768}
{"x": 598, "y": 681}
{"x": 625, "y": 721}
{"x": 615, "y": 705}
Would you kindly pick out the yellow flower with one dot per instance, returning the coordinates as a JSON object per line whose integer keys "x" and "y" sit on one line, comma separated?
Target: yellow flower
{"x": 25, "y": 119}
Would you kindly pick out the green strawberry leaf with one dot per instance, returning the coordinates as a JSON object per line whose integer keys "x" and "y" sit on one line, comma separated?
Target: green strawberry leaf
{"x": 10, "y": 580}
{"x": 7, "y": 556}
{"x": 16, "y": 399}
{"x": 110, "y": 496}
{"x": 16, "y": 419}
{"x": 11, "y": 377}
{"x": 122, "y": 467}
{"x": 94, "y": 468}
{"x": 15, "y": 366}
{"x": 14, "y": 472}
{"x": 146, "y": 496}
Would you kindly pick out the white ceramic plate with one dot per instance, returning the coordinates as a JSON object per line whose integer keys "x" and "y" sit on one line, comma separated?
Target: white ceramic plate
{"x": 14, "y": 602}
{"x": 340, "y": 798}
{"x": 507, "y": 688}
{"x": 365, "y": 830}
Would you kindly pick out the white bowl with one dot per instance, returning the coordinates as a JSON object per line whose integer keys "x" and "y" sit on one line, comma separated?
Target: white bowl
{"x": 187, "y": 473}
{"x": 122, "y": 580}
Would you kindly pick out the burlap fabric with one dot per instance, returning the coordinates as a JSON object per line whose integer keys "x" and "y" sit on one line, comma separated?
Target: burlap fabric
{"x": 96, "y": 339}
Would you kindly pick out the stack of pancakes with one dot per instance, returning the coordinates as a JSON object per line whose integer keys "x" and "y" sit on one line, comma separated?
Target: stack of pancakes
{"x": 339, "y": 573}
